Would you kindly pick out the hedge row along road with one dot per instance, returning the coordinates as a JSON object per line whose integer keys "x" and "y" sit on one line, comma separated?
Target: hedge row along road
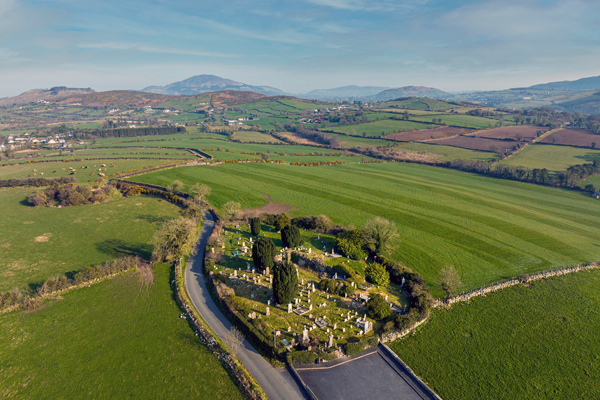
{"x": 277, "y": 384}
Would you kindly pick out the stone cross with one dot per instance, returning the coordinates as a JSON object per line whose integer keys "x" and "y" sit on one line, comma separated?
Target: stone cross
{"x": 289, "y": 308}
{"x": 268, "y": 311}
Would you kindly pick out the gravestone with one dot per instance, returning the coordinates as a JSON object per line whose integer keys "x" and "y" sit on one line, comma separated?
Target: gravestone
{"x": 269, "y": 302}
{"x": 330, "y": 342}
{"x": 310, "y": 307}
{"x": 268, "y": 312}
{"x": 289, "y": 308}
{"x": 344, "y": 330}
{"x": 235, "y": 273}
{"x": 289, "y": 328}
{"x": 253, "y": 314}
{"x": 304, "y": 335}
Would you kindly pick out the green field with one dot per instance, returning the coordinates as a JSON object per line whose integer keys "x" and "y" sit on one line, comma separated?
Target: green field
{"x": 553, "y": 158}
{"x": 113, "y": 340}
{"x": 489, "y": 229}
{"x": 83, "y": 175}
{"x": 537, "y": 342}
{"x": 378, "y": 128}
{"x": 249, "y": 136}
{"x": 448, "y": 153}
{"x": 466, "y": 121}
{"x": 41, "y": 242}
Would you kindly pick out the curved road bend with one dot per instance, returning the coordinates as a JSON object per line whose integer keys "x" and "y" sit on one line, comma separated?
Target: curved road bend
{"x": 277, "y": 384}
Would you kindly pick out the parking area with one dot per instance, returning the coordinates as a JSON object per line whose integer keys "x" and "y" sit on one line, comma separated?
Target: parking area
{"x": 372, "y": 374}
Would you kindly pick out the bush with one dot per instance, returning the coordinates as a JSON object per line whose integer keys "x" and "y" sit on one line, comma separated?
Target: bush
{"x": 350, "y": 274}
{"x": 350, "y": 244}
{"x": 281, "y": 221}
{"x": 255, "y": 226}
{"x": 377, "y": 274}
{"x": 263, "y": 253}
{"x": 269, "y": 219}
{"x": 301, "y": 357}
{"x": 290, "y": 236}
{"x": 378, "y": 308}
{"x": 173, "y": 239}
{"x": 285, "y": 283}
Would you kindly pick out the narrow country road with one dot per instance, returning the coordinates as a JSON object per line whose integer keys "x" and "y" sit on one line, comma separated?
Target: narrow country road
{"x": 277, "y": 384}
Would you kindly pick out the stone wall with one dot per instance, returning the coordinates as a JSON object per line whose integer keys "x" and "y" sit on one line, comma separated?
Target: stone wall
{"x": 503, "y": 285}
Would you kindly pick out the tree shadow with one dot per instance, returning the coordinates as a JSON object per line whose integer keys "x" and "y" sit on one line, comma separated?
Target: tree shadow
{"x": 115, "y": 248}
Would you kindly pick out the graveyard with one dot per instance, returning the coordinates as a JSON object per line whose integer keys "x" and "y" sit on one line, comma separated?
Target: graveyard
{"x": 316, "y": 320}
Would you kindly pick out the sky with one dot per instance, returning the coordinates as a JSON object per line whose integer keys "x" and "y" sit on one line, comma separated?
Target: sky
{"x": 299, "y": 45}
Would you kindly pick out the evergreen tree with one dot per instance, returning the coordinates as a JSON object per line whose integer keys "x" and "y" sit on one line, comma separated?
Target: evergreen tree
{"x": 285, "y": 283}
{"x": 255, "y": 226}
{"x": 263, "y": 253}
{"x": 377, "y": 307}
{"x": 290, "y": 236}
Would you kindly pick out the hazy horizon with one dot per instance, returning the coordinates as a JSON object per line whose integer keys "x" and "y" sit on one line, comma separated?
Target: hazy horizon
{"x": 297, "y": 47}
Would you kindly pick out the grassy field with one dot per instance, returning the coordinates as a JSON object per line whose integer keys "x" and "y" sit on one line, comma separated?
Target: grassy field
{"x": 353, "y": 141}
{"x": 553, "y": 158}
{"x": 466, "y": 121}
{"x": 249, "y": 136}
{"x": 113, "y": 340}
{"x": 40, "y": 242}
{"x": 537, "y": 342}
{"x": 447, "y": 152}
{"x": 83, "y": 175}
{"x": 378, "y": 128}
{"x": 489, "y": 229}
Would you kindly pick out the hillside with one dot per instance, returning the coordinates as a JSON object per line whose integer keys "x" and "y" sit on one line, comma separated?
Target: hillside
{"x": 208, "y": 83}
{"x": 344, "y": 92}
{"x": 116, "y": 98}
{"x": 52, "y": 94}
{"x": 584, "y": 84}
{"x": 408, "y": 91}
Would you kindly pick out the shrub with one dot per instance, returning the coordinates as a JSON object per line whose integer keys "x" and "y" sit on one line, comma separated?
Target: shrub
{"x": 379, "y": 235}
{"x": 301, "y": 357}
{"x": 263, "y": 253}
{"x": 255, "y": 226}
{"x": 350, "y": 274}
{"x": 173, "y": 239}
{"x": 285, "y": 283}
{"x": 281, "y": 221}
{"x": 269, "y": 219}
{"x": 377, "y": 274}
{"x": 350, "y": 244}
{"x": 290, "y": 236}
{"x": 378, "y": 308}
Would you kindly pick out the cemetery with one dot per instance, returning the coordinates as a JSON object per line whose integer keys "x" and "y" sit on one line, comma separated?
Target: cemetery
{"x": 328, "y": 313}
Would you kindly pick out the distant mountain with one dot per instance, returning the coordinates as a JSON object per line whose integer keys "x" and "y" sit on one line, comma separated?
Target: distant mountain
{"x": 409, "y": 91}
{"x": 343, "y": 93}
{"x": 209, "y": 83}
{"x": 52, "y": 94}
{"x": 592, "y": 83}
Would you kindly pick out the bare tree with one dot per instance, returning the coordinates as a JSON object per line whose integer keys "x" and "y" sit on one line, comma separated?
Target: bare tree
{"x": 233, "y": 339}
{"x": 230, "y": 209}
{"x": 175, "y": 186}
{"x": 379, "y": 235}
{"x": 449, "y": 280}
{"x": 173, "y": 239}
{"x": 200, "y": 190}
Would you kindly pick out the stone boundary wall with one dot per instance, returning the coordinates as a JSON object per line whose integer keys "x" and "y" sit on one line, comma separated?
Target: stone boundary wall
{"x": 390, "y": 337}
{"x": 226, "y": 358}
{"x": 512, "y": 282}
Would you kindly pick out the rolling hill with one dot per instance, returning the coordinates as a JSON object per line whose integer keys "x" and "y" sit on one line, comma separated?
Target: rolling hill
{"x": 209, "y": 83}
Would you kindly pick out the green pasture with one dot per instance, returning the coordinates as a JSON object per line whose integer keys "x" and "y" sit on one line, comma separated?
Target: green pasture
{"x": 41, "y": 242}
{"x": 448, "y": 153}
{"x": 250, "y": 136}
{"x": 418, "y": 103}
{"x": 82, "y": 175}
{"x": 488, "y": 229}
{"x": 553, "y": 158}
{"x": 378, "y": 128}
{"x": 535, "y": 342}
{"x": 354, "y": 141}
{"x": 466, "y": 121}
{"x": 114, "y": 340}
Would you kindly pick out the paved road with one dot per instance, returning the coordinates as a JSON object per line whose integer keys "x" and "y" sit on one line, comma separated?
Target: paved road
{"x": 277, "y": 384}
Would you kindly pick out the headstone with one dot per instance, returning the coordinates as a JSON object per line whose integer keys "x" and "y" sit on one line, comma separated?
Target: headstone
{"x": 309, "y": 315}
{"x": 277, "y": 333}
{"x": 267, "y": 271}
{"x": 253, "y": 270}
{"x": 212, "y": 250}
{"x": 402, "y": 282}
{"x": 289, "y": 308}
{"x": 289, "y": 328}
{"x": 309, "y": 250}
{"x": 247, "y": 266}
{"x": 235, "y": 273}
{"x": 330, "y": 342}
{"x": 335, "y": 276}
{"x": 318, "y": 236}
{"x": 386, "y": 297}
{"x": 296, "y": 300}
{"x": 313, "y": 288}
{"x": 309, "y": 307}
{"x": 252, "y": 296}
{"x": 269, "y": 302}
{"x": 368, "y": 326}
{"x": 303, "y": 281}
{"x": 304, "y": 335}
{"x": 332, "y": 252}
{"x": 268, "y": 311}
{"x": 334, "y": 326}
{"x": 344, "y": 330}
{"x": 253, "y": 314}
{"x": 327, "y": 297}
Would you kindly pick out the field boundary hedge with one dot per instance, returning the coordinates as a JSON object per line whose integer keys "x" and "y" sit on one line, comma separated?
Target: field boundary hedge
{"x": 515, "y": 281}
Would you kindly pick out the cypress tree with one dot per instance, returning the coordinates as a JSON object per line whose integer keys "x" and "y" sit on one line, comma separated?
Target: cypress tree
{"x": 263, "y": 253}
{"x": 290, "y": 236}
{"x": 255, "y": 226}
{"x": 285, "y": 283}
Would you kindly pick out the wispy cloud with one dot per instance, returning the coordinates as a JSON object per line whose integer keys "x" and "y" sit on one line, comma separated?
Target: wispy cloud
{"x": 152, "y": 49}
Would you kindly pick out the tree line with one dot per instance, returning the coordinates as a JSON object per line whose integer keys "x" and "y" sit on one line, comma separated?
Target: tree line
{"x": 130, "y": 132}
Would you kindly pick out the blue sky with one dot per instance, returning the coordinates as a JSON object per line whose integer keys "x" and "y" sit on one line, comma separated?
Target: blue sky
{"x": 297, "y": 46}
